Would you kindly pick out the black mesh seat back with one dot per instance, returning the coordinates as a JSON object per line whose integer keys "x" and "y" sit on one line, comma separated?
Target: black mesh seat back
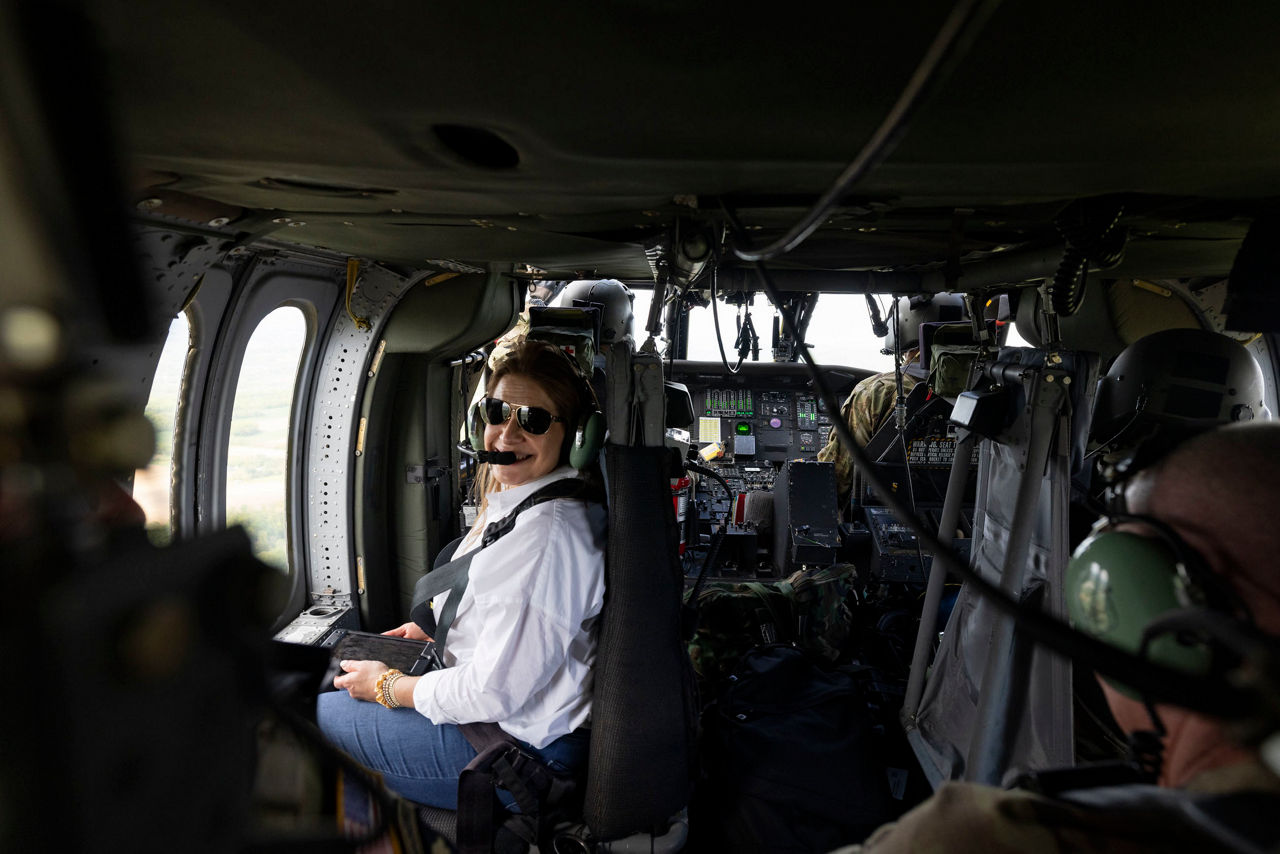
{"x": 641, "y": 735}
{"x": 442, "y": 821}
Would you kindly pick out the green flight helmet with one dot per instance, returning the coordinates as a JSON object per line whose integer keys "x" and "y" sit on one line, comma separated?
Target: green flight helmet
{"x": 1117, "y": 582}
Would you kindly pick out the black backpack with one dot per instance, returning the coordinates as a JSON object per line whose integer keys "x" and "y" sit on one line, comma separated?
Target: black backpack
{"x": 790, "y": 759}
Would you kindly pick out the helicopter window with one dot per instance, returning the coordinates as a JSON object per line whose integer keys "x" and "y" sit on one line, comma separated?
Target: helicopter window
{"x": 840, "y": 330}
{"x": 257, "y": 455}
{"x": 152, "y": 486}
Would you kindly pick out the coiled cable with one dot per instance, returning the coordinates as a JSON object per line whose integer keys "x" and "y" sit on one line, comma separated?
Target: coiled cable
{"x": 1091, "y": 230}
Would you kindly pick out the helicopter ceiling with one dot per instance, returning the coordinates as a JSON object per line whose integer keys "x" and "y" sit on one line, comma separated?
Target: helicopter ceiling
{"x": 571, "y": 138}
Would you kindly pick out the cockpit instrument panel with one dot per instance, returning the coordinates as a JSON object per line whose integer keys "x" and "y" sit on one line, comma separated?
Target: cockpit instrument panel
{"x": 765, "y": 413}
{"x": 748, "y": 425}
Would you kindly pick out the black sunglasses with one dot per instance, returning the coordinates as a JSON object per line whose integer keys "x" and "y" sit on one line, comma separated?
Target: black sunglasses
{"x": 532, "y": 419}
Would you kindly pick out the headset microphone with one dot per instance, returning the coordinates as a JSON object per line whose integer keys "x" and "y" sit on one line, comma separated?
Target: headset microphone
{"x": 495, "y": 458}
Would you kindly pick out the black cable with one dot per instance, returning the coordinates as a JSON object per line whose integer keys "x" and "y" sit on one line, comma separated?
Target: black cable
{"x": 1139, "y": 409}
{"x": 879, "y": 327}
{"x": 715, "y": 317}
{"x": 717, "y": 539}
{"x": 899, "y": 416}
{"x": 911, "y": 491}
{"x": 748, "y": 341}
{"x": 898, "y": 403}
{"x": 673, "y": 341}
{"x": 1092, "y": 233}
{"x": 952, "y": 42}
{"x": 1214, "y": 696}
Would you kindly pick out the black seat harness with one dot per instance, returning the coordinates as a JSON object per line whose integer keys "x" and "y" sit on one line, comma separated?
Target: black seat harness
{"x": 501, "y": 761}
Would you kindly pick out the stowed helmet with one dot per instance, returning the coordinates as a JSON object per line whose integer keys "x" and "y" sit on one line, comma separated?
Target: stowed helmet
{"x": 1165, "y": 388}
{"x": 613, "y": 298}
{"x": 926, "y": 308}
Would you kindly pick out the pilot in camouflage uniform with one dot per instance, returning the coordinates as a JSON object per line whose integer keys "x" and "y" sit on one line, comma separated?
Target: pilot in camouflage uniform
{"x": 868, "y": 407}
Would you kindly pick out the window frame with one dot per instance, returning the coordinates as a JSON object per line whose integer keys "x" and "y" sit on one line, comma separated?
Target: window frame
{"x": 224, "y": 314}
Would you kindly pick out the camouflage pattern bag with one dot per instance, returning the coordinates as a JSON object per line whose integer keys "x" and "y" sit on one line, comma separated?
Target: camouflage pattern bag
{"x": 809, "y": 609}
{"x": 949, "y": 368}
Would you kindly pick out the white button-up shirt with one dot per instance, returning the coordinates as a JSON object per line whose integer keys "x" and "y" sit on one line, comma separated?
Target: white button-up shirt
{"x": 523, "y": 641}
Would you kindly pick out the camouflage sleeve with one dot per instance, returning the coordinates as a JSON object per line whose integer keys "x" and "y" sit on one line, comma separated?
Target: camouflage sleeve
{"x": 508, "y": 340}
{"x": 968, "y": 818}
{"x": 869, "y": 404}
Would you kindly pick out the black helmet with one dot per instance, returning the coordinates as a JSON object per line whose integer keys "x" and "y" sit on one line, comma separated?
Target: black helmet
{"x": 924, "y": 308}
{"x": 612, "y": 297}
{"x": 1165, "y": 388}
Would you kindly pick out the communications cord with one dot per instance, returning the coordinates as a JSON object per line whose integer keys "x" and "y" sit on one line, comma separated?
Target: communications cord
{"x": 1210, "y": 695}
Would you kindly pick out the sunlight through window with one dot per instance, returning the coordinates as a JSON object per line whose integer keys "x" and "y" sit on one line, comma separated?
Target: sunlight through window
{"x": 258, "y": 453}
{"x": 153, "y": 485}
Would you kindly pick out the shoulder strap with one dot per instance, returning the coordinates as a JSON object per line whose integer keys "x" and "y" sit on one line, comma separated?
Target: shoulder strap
{"x": 456, "y": 574}
{"x": 569, "y": 487}
{"x": 453, "y": 576}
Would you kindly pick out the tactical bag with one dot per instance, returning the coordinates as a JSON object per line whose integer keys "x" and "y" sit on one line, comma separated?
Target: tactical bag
{"x": 809, "y": 608}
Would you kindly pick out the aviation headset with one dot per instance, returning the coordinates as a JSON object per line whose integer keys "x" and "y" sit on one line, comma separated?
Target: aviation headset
{"x": 1133, "y": 590}
{"x": 586, "y": 437}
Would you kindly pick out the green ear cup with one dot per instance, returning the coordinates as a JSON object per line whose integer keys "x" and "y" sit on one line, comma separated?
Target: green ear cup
{"x": 587, "y": 441}
{"x": 475, "y": 427}
{"x": 1116, "y": 583}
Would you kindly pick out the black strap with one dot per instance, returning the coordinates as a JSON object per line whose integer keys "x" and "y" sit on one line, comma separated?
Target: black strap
{"x": 424, "y": 617}
{"x": 500, "y": 763}
{"x": 569, "y": 487}
{"x": 456, "y": 574}
{"x": 453, "y": 577}
{"x": 447, "y": 552}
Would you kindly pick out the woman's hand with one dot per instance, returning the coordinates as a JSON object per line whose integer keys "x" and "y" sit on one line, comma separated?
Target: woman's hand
{"x": 410, "y": 630}
{"x": 359, "y": 678}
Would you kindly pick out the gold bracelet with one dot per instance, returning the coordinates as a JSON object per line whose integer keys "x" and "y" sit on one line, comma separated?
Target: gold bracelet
{"x": 384, "y": 689}
{"x": 392, "y": 702}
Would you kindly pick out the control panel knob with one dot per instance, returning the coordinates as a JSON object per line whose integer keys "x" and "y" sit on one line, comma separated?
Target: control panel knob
{"x": 775, "y": 422}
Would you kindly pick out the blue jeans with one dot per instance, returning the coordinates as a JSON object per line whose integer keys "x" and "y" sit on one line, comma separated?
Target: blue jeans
{"x": 418, "y": 759}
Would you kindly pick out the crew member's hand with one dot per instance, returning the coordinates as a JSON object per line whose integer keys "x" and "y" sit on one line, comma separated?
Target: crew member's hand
{"x": 359, "y": 678}
{"x": 410, "y": 630}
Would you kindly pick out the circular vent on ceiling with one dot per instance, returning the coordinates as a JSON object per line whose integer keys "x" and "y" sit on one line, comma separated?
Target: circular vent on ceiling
{"x": 478, "y": 146}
